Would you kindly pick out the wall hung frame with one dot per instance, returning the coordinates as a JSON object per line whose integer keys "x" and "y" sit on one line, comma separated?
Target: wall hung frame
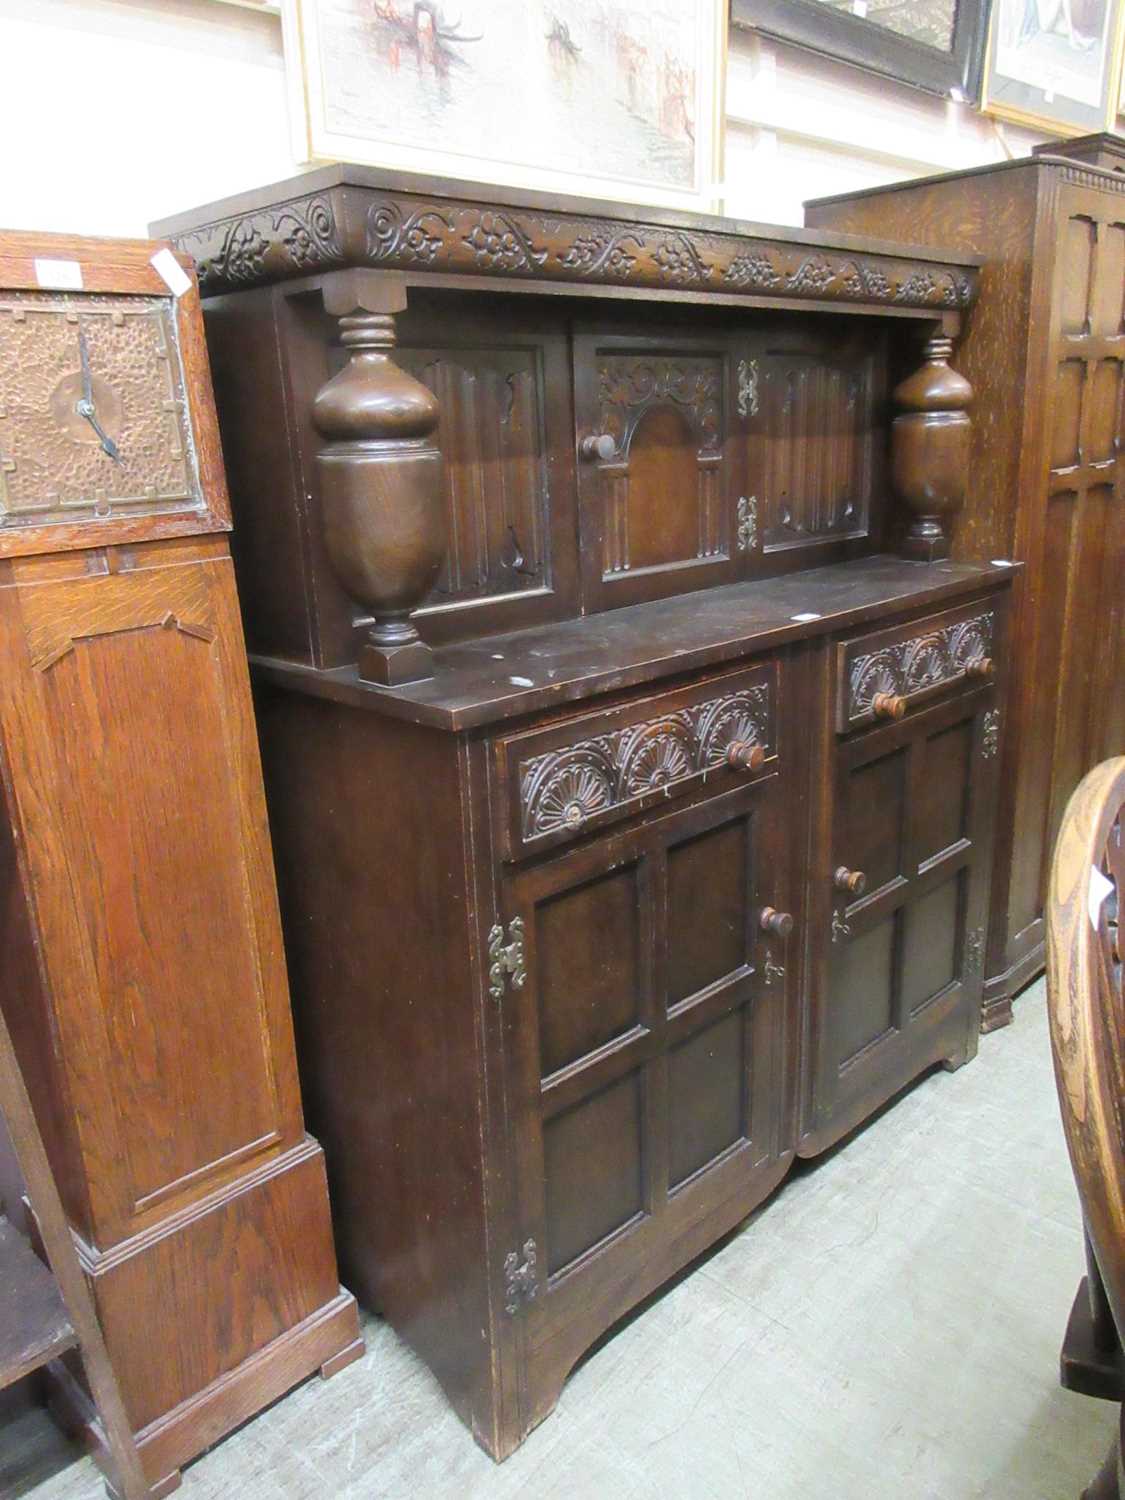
{"x": 943, "y": 56}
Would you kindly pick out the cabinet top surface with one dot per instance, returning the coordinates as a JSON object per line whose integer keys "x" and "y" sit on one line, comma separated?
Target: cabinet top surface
{"x": 1050, "y": 157}
{"x": 344, "y": 216}
{"x": 503, "y": 677}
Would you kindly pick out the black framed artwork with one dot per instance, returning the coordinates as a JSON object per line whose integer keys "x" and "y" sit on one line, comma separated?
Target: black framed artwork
{"x": 937, "y": 45}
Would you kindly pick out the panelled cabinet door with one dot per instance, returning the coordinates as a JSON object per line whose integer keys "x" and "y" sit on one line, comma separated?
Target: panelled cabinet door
{"x": 908, "y": 896}
{"x": 656, "y": 488}
{"x": 646, "y": 1042}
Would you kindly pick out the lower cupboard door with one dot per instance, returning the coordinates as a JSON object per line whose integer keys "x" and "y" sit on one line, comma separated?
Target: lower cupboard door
{"x": 647, "y": 1048}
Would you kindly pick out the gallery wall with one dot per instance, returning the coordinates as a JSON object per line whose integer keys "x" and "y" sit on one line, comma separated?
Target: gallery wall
{"x": 156, "y": 105}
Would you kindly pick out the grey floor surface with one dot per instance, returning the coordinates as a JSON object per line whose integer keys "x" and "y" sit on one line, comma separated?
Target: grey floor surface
{"x": 887, "y": 1326}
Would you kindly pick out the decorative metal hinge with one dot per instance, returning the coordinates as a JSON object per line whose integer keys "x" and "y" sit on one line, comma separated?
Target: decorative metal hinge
{"x": 505, "y": 958}
{"x": 840, "y": 927}
{"x": 747, "y": 516}
{"x": 990, "y": 734}
{"x": 521, "y": 1279}
{"x": 747, "y": 387}
{"x": 773, "y": 971}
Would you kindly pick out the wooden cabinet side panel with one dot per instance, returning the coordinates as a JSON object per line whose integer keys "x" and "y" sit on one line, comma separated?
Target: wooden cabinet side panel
{"x": 135, "y": 787}
{"x": 367, "y": 824}
{"x": 994, "y": 217}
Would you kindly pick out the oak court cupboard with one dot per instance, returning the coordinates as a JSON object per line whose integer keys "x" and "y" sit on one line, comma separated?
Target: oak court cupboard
{"x": 630, "y": 755}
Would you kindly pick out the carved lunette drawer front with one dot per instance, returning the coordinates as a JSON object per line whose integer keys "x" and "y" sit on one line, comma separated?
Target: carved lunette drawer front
{"x": 562, "y": 781}
{"x": 882, "y": 673}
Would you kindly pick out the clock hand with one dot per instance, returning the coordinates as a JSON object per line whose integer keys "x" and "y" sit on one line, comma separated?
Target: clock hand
{"x": 86, "y": 409}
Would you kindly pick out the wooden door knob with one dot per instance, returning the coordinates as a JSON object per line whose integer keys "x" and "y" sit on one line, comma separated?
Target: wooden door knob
{"x": 980, "y": 666}
{"x": 743, "y": 755}
{"x": 780, "y": 923}
{"x": 598, "y": 445}
{"x": 888, "y": 706}
{"x": 852, "y": 881}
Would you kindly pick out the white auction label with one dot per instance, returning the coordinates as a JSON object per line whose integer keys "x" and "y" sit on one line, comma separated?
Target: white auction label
{"x": 168, "y": 268}
{"x": 1100, "y": 888}
{"x": 59, "y": 275}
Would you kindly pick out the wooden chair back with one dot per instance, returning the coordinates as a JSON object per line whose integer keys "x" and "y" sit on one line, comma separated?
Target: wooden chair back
{"x": 1087, "y": 1009}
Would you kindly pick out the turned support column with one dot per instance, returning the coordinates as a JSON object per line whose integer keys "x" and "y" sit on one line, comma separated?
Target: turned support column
{"x": 379, "y": 477}
{"x": 930, "y": 449}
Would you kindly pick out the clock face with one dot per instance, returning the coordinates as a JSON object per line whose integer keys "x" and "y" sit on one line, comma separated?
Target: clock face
{"x": 93, "y": 416}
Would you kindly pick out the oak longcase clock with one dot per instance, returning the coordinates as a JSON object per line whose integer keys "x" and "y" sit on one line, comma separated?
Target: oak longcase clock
{"x": 141, "y": 966}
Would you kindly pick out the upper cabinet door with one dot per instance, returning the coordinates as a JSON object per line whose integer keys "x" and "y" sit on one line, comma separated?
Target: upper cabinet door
{"x": 814, "y": 445}
{"x": 657, "y": 491}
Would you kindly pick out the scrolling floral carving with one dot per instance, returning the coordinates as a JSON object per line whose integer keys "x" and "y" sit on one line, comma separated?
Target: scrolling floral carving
{"x": 630, "y": 385}
{"x": 917, "y": 663}
{"x": 402, "y": 230}
{"x": 296, "y": 236}
{"x": 746, "y": 515}
{"x": 563, "y": 790}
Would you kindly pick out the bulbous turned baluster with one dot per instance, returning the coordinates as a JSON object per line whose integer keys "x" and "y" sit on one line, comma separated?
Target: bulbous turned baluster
{"x": 930, "y": 450}
{"x": 380, "y": 488}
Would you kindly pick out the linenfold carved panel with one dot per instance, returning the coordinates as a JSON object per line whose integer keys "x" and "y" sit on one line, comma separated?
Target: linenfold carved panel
{"x": 495, "y": 469}
{"x": 563, "y": 790}
{"x": 916, "y": 663}
{"x": 815, "y": 447}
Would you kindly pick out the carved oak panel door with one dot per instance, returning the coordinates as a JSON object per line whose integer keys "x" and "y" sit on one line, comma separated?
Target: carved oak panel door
{"x": 655, "y": 483}
{"x": 903, "y": 902}
{"x": 647, "y": 1045}
{"x": 1075, "y": 544}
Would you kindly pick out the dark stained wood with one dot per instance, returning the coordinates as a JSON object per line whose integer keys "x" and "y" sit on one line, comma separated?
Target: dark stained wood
{"x": 143, "y": 977}
{"x": 559, "y": 916}
{"x": 1046, "y": 479}
{"x": 497, "y": 678}
{"x": 44, "y": 1314}
{"x": 34, "y": 1326}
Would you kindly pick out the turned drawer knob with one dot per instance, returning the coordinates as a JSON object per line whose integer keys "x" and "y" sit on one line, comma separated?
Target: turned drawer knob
{"x": 980, "y": 666}
{"x": 852, "y": 881}
{"x": 598, "y": 445}
{"x": 888, "y": 706}
{"x": 742, "y": 755}
{"x": 780, "y": 923}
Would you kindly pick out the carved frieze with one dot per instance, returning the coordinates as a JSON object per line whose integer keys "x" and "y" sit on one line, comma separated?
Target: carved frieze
{"x": 406, "y": 231}
{"x": 917, "y": 663}
{"x": 286, "y": 240}
{"x": 564, "y": 789}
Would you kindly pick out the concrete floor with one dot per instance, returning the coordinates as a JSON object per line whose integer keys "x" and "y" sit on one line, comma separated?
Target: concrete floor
{"x": 888, "y": 1326}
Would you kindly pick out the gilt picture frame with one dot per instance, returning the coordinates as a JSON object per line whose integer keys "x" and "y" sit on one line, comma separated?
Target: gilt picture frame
{"x": 935, "y": 45}
{"x": 1055, "y": 65}
{"x": 617, "y": 99}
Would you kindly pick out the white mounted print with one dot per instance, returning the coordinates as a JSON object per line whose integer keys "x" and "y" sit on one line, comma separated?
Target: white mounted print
{"x": 616, "y": 98}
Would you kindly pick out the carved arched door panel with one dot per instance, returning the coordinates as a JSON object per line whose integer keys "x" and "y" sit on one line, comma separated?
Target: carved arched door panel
{"x": 655, "y": 478}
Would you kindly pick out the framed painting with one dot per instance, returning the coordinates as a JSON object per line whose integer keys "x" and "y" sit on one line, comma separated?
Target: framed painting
{"x": 607, "y": 98}
{"x": 937, "y": 45}
{"x": 1055, "y": 65}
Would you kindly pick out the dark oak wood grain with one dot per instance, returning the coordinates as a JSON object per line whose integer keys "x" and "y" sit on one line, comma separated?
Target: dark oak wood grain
{"x": 559, "y": 913}
{"x": 1047, "y": 480}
